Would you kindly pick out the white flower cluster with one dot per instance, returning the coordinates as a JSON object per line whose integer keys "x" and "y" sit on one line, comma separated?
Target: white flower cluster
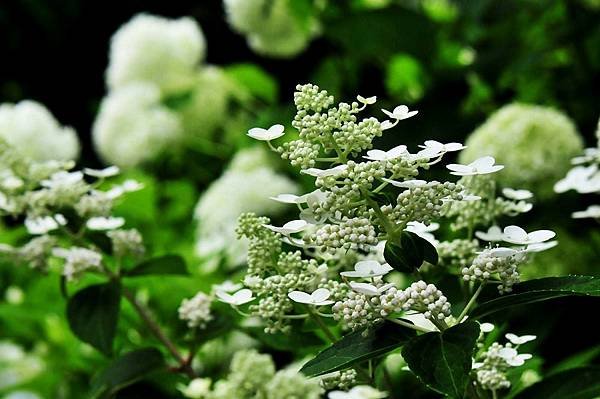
{"x": 491, "y": 365}
{"x": 251, "y": 181}
{"x": 584, "y": 178}
{"x": 32, "y": 130}
{"x": 196, "y": 310}
{"x": 273, "y": 28}
{"x": 161, "y": 97}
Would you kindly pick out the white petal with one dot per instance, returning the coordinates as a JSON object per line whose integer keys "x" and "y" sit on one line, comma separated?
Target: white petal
{"x": 300, "y": 297}
{"x": 106, "y": 172}
{"x": 295, "y": 226}
{"x": 364, "y": 288}
{"x": 243, "y": 296}
{"x": 486, "y": 327}
{"x": 541, "y": 235}
{"x": 515, "y": 233}
{"x": 320, "y": 295}
{"x": 287, "y": 198}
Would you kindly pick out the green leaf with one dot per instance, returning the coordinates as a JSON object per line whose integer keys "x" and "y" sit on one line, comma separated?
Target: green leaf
{"x": 578, "y": 383}
{"x": 356, "y": 347}
{"x": 255, "y": 80}
{"x": 443, "y": 360}
{"x": 166, "y": 264}
{"x": 126, "y": 370}
{"x": 93, "y": 313}
{"x": 541, "y": 290}
{"x": 410, "y": 254}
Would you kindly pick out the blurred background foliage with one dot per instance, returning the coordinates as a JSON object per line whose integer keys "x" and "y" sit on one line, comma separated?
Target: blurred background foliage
{"x": 457, "y": 62}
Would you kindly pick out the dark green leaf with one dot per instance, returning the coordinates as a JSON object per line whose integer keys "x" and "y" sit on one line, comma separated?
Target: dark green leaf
{"x": 442, "y": 360}
{"x": 395, "y": 257}
{"x": 409, "y": 255}
{"x": 126, "y": 370}
{"x": 429, "y": 252}
{"x": 166, "y": 264}
{"x": 101, "y": 240}
{"x": 357, "y": 347}
{"x": 578, "y": 383}
{"x": 93, "y": 313}
{"x": 541, "y": 290}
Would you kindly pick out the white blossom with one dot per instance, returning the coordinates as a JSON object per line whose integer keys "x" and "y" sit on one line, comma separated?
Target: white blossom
{"x": 102, "y": 173}
{"x": 369, "y": 289}
{"x": 44, "y": 224}
{"x": 406, "y": 183}
{"x": 516, "y": 235}
{"x": 486, "y": 327}
{"x": 293, "y": 226}
{"x": 368, "y": 269}
{"x": 316, "y": 172}
{"x": 105, "y": 223}
{"x": 512, "y": 357}
{"x": 493, "y": 234}
{"x": 238, "y": 298}
{"x": 77, "y": 261}
{"x": 434, "y": 148}
{"x": 481, "y": 166}
{"x": 399, "y": 113}
{"x": 379, "y": 155}
{"x": 367, "y": 100}
{"x": 62, "y": 179}
{"x": 227, "y": 286}
{"x": 519, "y": 340}
{"x": 196, "y": 310}
{"x": 34, "y": 133}
{"x": 358, "y": 392}
{"x": 271, "y": 133}
{"x": 592, "y": 211}
{"x": 517, "y": 195}
{"x": 577, "y": 179}
{"x": 289, "y": 198}
{"x": 319, "y": 297}
{"x": 541, "y": 246}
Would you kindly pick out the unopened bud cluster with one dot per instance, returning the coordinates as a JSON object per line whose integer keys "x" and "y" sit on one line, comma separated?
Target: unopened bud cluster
{"x": 486, "y": 265}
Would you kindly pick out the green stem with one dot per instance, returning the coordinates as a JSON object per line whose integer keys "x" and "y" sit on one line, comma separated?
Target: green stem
{"x": 322, "y": 325}
{"x": 470, "y": 304}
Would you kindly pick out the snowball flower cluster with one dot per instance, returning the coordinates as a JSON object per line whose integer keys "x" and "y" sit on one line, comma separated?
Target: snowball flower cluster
{"x": 196, "y": 310}
{"x": 518, "y": 135}
{"x": 155, "y": 50}
{"x": 272, "y": 28}
{"x": 32, "y": 130}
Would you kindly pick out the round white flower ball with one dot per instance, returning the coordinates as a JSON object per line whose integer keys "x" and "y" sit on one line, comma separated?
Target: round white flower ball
{"x": 32, "y": 130}
{"x": 244, "y": 187}
{"x": 535, "y": 143}
{"x": 155, "y": 49}
{"x": 271, "y": 26}
{"x": 133, "y": 127}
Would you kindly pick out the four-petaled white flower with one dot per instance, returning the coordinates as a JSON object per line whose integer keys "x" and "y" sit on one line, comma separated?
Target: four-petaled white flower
{"x": 512, "y": 357}
{"x": 367, "y": 100}
{"x": 368, "y": 269}
{"x": 517, "y": 195}
{"x": 104, "y": 223}
{"x": 102, "y": 173}
{"x": 44, "y": 224}
{"x": 406, "y": 183}
{"x": 358, "y": 392}
{"x": 433, "y": 148}
{"x": 369, "y": 289}
{"x": 592, "y": 211}
{"x": 271, "y": 133}
{"x": 481, "y": 166}
{"x": 316, "y": 172}
{"x": 516, "y": 340}
{"x": 493, "y": 234}
{"x": 379, "y": 155}
{"x": 516, "y": 235}
{"x": 239, "y": 298}
{"x": 400, "y": 112}
{"x": 294, "y": 226}
{"x": 319, "y": 297}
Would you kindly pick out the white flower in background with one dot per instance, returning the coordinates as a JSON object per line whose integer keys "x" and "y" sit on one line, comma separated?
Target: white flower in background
{"x": 62, "y": 179}
{"x": 517, "y": 195}
{"x": 518, "y": 136}
{"x": 293, "y": 226}
{"x": 239, "y": 298}
{"x": 486, "y": 327}
{"x": 592, "y": 211}
{"x": 319, "y": 297}
{"x": 44, "y": 224}
{"x": 583, "y": 179}
{"x": 406, "y": 183}
{"x": 481, "y": 166}
{"x": 156, "y": 50}
{"x": 32, "y": 130}
{"x": 105, "y": 223}
{"x": 271, "y": 133}
{"x": 516, "y": 340}
{"x": 289, "y": 198}
{"x": 423, "y": 230}
{"x": 196, "y": 310}
{"x": 227, "y": 286}
{"x": 251, "y": 181}
{"x": 358, "y": 392}
{"x": 368, "y": 269}
{"x": 133, "y": 127}
{"x": 399, "y": 113}
{"x": 17, "y": 367}
{"x": 316, "y": 172}
{"x": 198, "y": 388}
{"x": 128, "y": 186}
{"x": 493, "y": 234}
{"x": 77, "y": 261}
{"x": 516, "y": 235}
{"x": 366, "y": 100}
{"x": 272, "y": 27}
{"x": 379, "y": 155}
{"x": 102, "y": 173}
{"x": 369, "y": 289}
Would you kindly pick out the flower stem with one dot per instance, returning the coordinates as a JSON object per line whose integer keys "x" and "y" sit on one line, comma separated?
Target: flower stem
{"x": 158, "y": 333}
{"x": 470, "y": 303}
